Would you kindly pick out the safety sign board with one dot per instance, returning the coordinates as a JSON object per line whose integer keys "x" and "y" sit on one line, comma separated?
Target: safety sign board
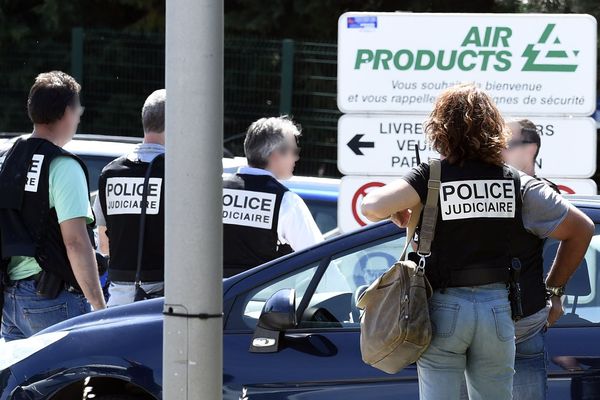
{"x": 353, "y": 189}
{"x": 531, "y": 64}
{"x": 384, "y": 144}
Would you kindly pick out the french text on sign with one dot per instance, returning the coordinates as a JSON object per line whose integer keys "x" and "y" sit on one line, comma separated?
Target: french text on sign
{"x": 477, "y": 199}
{"x": 33, "y": 174}
{"x": 531, "y": 64}
{"x": 568, "y": 145}
{"x": 392, "y": 143}
{"x": 124, "y": 196}
{"x": 247, "y": 208}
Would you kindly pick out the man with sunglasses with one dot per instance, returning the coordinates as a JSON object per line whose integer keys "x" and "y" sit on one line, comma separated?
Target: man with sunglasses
{"x": 524, "y": 147}
{"x": 543, "y": 308}
{"x": 262, "y": 219}
{"x": 48, "y": 264}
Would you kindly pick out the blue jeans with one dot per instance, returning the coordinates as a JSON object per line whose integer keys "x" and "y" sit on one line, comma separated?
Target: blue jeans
{"x": 531, "y": 369}
{"x": 531, "y": 361}
{"x": 473, "y": 336}
{"x": 25, "y": 312}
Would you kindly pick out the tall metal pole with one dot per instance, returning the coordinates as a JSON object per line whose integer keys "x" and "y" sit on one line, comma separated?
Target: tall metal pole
{"x": 192, "y": 344}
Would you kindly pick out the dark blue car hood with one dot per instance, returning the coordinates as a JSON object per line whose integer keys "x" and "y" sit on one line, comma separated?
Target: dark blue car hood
{"x": 121, "y": 315}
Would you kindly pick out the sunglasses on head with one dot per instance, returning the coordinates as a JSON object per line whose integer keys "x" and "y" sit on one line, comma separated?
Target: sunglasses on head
{"x": 517, "y": 143}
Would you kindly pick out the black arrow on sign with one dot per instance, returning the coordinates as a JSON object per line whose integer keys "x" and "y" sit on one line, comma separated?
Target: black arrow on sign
{"x": 355, "y": 144}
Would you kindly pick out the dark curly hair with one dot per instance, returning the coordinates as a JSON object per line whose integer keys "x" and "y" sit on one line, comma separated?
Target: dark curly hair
{"x": 465, "y": 124}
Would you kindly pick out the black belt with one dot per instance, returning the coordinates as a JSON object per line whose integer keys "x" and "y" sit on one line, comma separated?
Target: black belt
{"x": 477, "y": 275}
{"x": 68, "y": 287}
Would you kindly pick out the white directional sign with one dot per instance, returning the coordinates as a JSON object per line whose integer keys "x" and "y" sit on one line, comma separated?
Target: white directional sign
{"x": 385, "y": 145}
{"x": 354, "y": 188}
{"x": 576, "y": 186}
{"x": 531, "y": 64}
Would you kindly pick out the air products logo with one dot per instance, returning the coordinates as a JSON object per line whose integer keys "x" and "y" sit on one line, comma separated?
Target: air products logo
{"x": 547, "y": 55}
{"x": 489, "y": 48}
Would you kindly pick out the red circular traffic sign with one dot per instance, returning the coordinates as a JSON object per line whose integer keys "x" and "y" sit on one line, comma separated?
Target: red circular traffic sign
{"x": 360, "y": 193}
{"x": 565, "y": 189}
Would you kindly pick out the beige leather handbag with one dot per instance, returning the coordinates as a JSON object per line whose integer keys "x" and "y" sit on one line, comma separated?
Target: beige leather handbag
{"x": 395, "y": 328}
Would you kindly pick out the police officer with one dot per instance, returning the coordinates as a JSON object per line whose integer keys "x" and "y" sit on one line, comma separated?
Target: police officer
{"x": 118, "y": 209}
{"x": 50, "y": 267}
{"x": 523, "y": 148}
{"x": 530, "y": 331}
{"x": 262, "y": 219}
{"x": 483, "y": 224}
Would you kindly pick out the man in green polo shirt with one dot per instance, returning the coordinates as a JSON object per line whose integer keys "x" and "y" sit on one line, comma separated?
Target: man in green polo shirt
{"x": 54, "y": 213}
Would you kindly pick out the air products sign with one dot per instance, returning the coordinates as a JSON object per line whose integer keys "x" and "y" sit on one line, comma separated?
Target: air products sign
{"x": 530, "y": 64}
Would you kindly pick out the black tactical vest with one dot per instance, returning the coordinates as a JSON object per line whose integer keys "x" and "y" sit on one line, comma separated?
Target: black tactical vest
{"x": 251, "y": 206}
{"x": 530, "y": 249}
{"x": 28, "y": 227}
{"x": 479, "y": 227}
{"x": 120, "y": 190}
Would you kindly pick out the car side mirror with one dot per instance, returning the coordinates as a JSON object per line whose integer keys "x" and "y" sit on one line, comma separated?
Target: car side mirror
{"x": 278, "y": 315}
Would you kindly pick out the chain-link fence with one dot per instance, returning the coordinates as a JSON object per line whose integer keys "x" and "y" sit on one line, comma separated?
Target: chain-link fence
{"x": 118, "y": 70}
{"x": 18, "y": 66}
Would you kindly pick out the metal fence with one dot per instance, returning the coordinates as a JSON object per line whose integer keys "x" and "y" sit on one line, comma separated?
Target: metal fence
{"x": 118, "y": 70}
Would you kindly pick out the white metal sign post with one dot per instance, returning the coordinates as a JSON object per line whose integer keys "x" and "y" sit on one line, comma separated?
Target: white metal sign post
{"x": 386, "y": 145}
{"x": 531, "y": 64}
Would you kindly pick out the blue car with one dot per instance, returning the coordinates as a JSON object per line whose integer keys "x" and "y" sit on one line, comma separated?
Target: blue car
{"x": 314, "y": 352}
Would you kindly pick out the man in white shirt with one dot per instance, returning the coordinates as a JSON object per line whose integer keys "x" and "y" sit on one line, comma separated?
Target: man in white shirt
{"x": 262, "y": 219}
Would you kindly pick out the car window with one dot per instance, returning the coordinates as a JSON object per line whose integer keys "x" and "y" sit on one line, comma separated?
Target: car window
{"x": 248, "y": 307}
{"x": 345, "y": 274}
{"x": 582, "y": 301}
{"x": 333, "y": 305}
{"x": 324, "y": 213}
{"x": 94, "y": 165}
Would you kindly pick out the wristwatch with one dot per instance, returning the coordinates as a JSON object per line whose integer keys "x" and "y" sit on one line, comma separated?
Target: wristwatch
{"x": 555, "y": 291}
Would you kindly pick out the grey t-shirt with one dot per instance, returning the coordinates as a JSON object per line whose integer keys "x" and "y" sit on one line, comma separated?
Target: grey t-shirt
{"x": 543, "y": 210}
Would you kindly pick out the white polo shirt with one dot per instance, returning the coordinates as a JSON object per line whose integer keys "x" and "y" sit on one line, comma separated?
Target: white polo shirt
{"x": 296, "y": 225}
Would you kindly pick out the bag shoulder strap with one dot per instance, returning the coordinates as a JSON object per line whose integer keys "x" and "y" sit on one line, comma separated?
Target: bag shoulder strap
{"x": 411, "y": 228}
{"x": 142, "y": 230}
{"x": 430, "y": 211}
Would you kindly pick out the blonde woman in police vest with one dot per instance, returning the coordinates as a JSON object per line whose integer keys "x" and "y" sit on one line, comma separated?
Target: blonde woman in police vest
{"x": 481, "y": 227}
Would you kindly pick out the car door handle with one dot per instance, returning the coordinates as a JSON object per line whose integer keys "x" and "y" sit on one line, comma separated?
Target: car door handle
{"x": 311, "y": 343}
{"x": 576, "y": 363}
